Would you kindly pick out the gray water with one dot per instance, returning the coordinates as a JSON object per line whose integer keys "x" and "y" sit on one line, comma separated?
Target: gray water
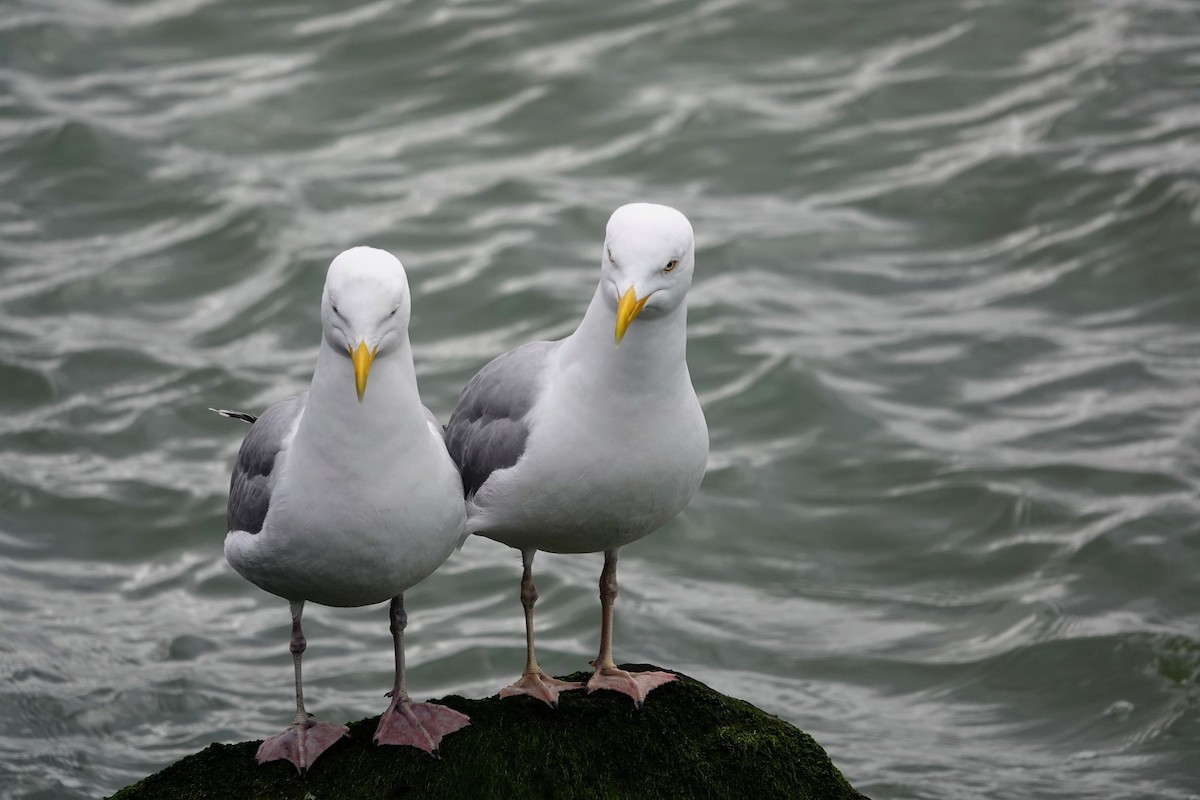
{"x": 944, "y": 328}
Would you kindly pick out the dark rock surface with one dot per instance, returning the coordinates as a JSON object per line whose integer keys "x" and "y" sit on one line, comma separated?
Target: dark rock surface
{"x": 688, "y": 742}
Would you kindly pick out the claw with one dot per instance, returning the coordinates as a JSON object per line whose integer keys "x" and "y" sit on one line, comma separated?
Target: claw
{"x": 540, "y": 685}
{"x": 301, "y": 743}
{"x": 421, "y": 725}
{"x": 635, "y": 684}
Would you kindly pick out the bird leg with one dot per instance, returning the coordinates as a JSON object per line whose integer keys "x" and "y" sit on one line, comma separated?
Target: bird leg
{"x": 421, "y": 725}
{"x": 533, "y": 681}
{"x": 306, "y": 738}
{"x": 635, "y": 684}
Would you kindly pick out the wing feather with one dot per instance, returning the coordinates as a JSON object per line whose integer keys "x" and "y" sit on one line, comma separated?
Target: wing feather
{"x": 251, "y": 482}
{"x": 489, "y": 427}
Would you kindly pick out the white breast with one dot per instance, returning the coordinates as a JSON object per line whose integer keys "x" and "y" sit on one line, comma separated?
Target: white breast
{"x": 598, "y": 472}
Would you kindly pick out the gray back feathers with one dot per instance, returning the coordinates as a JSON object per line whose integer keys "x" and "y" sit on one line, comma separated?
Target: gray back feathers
{"x": 488, "y": 428}
{"x": 250, "y": 485}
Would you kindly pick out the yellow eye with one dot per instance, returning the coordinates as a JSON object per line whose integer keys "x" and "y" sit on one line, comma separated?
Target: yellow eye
{"x": 671, "y": 265}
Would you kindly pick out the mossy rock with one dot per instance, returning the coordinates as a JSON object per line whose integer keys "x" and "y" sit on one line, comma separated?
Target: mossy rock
{"x": 688, "y": 742}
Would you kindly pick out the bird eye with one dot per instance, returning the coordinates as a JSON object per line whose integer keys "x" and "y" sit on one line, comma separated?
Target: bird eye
{"x": 612, "y": 260}
{"x": 394, "y": 310}
{"x": 335, "y": 310}
{"x": 674, "y": 262}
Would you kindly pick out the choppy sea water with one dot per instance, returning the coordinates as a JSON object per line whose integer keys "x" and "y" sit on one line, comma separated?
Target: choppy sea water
{"x": 944, "y": 326}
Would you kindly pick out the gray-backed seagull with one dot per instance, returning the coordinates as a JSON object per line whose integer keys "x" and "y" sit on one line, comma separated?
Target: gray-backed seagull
{"x": 346, "y": 496}
{"x": 587, "y": 444}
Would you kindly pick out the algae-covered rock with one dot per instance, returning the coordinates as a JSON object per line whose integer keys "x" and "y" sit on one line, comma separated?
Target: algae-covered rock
{"x": 688, "y": 742}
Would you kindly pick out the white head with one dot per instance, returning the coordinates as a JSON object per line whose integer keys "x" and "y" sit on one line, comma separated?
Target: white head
{"x": 647, "y": 264}
{"x": 365, "y": 308}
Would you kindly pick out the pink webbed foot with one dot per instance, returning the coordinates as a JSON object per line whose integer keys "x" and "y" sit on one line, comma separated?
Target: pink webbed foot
{"x": 540, "y": 685}
{"x": 301, "y": 743}
{"x": 635, "y": 684}
{"x": 421, "y": 725}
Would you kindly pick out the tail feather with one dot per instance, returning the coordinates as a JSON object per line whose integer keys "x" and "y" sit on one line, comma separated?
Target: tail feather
{"x": 242, "y": 415}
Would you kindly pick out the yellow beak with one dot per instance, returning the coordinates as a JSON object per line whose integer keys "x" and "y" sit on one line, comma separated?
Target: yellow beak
{"x": 362, "y": 359}
{"x": 628, "y": 307}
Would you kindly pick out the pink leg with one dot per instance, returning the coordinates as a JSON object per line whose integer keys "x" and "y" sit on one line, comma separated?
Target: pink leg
{"x": 305, "y": 739}
{"x": 635, "y": 684}
{"x": 533, "y": 681}
{"x": 420, "y": 725}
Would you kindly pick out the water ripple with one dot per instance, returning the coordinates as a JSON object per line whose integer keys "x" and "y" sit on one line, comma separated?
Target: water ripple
{"x": 943, "y": 328}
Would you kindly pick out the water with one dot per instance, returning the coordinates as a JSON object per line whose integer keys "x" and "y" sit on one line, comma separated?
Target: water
{"x": 944, "y": 330}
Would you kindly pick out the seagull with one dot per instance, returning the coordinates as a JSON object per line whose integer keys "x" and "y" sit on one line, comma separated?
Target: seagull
{"x": 591, "y": 442}
{"x": 346, "y": 496}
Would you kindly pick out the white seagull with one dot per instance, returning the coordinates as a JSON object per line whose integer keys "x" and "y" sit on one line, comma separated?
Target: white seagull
{"x": 346, "y": 496}
{"x": 594, "y": 441}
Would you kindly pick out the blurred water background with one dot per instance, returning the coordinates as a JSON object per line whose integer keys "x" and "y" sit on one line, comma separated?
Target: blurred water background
{"x": 944, "y": 328}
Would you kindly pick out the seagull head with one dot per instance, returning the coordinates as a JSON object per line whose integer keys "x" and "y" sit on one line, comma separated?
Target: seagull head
{"x": 647, "y": 263}
{"x": 365, "y": 308}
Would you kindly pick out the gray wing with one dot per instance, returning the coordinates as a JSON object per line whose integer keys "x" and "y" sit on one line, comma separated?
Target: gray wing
{"x": 250, "y": 485}
{"x": 489, "y": 426}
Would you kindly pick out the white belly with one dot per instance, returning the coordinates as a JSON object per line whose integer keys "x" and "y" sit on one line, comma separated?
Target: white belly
{"x": 380, "y": 533}
{"x": 596, "y": 479}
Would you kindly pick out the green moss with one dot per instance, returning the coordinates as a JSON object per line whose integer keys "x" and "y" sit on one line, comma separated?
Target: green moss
{"x": 688, "y": 742}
